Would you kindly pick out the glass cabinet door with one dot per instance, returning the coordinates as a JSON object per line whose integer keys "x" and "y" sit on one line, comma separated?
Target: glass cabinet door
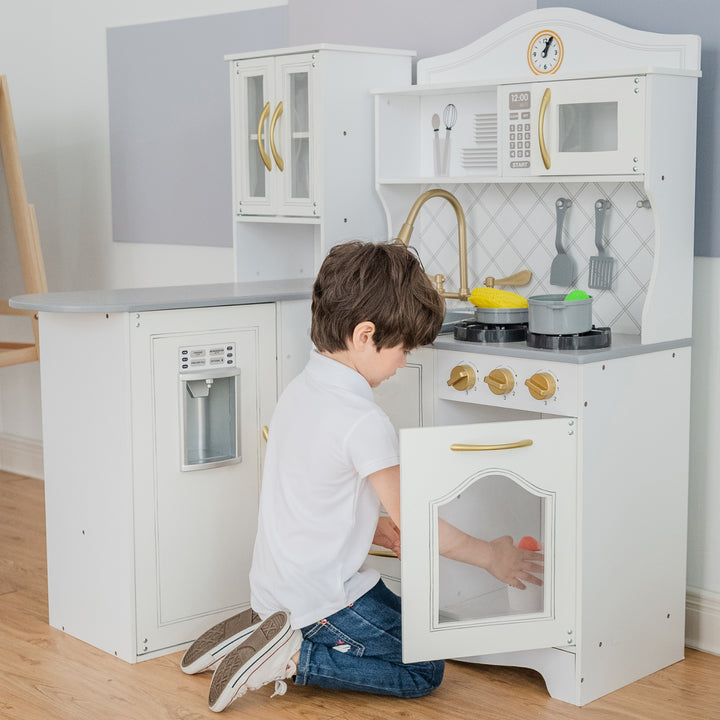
{"x": 292, "y": 139}
{"x": 251, "y": 122}
{"x": 489, "y": 480}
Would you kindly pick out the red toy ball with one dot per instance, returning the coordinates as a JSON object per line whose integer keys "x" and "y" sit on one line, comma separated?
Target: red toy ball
{"x": 529, "y": 543}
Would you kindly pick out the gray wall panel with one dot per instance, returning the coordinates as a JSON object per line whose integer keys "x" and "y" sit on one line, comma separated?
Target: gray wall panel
{"x": 170, "y": 124}
{"x": 429, "y": 28}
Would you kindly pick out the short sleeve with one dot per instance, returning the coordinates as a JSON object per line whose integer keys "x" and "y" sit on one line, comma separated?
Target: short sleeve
{"x": 372, "y": 443}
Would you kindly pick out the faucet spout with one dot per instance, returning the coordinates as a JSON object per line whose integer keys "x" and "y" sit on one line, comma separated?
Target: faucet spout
{"x": 403, "y": 237}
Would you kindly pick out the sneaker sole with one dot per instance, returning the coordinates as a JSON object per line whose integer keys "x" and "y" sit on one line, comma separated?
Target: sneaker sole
{"x": 214, "y": 644}
{"x": 232, "y": 675}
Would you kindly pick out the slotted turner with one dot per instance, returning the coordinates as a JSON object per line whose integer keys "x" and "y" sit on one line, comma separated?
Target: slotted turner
{"x": 601, "y": 265}
{"x": 562, "y": 270}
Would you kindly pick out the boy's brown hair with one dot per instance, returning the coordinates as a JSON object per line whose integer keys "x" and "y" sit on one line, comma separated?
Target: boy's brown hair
{"x": 382, "y": 283}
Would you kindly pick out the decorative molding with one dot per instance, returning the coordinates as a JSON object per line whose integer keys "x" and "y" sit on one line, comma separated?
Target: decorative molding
{"x": 585, "y": 38}
{"x": 22, "y": 456}
{"x": 702, "y": 620}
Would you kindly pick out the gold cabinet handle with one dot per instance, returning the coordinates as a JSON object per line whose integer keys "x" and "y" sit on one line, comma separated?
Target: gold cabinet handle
{"x": 263, "y": 117}
{"x": 459, "y": 447}
{"x": 382, "y": 553}
{"x": 276, "y": 115}
{"x": 541, "y": 128}
{"x": 265, "y": 432}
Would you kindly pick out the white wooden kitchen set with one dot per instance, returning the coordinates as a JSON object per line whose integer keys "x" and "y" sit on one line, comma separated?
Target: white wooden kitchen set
{"x": 153, "y": 424}
{"x": 585, "y": 450}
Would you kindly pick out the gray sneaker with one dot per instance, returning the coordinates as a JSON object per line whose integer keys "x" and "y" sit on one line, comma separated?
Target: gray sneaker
{"x": 266, "y": 656}
{"x": 214, "y": 644}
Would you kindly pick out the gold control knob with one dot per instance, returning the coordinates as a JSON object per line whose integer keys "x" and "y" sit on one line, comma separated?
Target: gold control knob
{"x": 541, "y": 385}
{"x": 462, "y": 377}
{"x": 501, "y": 381}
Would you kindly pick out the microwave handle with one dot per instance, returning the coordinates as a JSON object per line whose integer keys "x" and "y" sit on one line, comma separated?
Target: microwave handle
{"x": 541, "y": 128}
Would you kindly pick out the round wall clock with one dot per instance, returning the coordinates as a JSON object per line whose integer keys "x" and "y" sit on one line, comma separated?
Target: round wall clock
{"x": 545, "y": 52}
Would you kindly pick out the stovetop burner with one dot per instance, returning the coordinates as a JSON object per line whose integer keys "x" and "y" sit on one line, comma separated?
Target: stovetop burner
{"x": 590, "y": 340}
{"x": 479, "y": 332}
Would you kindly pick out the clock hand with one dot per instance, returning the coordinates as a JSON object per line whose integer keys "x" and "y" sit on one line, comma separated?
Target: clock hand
{"x": 547, "y": 46}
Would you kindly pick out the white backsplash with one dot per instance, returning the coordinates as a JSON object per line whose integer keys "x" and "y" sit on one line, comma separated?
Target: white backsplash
{"x": 511, "y": 227}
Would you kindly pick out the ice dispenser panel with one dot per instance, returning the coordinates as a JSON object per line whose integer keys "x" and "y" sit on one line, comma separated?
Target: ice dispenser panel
{"x": 209, "y": 400}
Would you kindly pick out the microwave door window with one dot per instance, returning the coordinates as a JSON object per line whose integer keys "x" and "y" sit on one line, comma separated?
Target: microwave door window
{"x": 588, "y": 127}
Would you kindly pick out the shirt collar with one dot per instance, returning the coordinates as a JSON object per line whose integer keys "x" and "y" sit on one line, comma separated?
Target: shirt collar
{"x": 331, "y": 372}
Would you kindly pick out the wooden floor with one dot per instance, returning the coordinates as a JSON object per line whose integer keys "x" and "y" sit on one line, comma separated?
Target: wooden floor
{"x": 48, "y": 675}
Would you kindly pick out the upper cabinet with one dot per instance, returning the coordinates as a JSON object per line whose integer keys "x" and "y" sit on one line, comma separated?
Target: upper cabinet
{"x": 302, "y": 153}
{"x": 555, "y": 97}
{"x": 273, "y": 127}
{"x": 554, "y": 92}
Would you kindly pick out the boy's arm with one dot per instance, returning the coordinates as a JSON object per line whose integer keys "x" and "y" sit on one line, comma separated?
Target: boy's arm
{"x": 499, "y": 557}
{"x": 387, "y": 534}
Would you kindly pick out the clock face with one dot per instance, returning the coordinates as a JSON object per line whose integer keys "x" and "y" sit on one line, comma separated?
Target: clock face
{"x": 545, "y": 52}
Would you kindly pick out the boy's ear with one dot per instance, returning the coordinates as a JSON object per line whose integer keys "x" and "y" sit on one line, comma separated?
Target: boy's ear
{"x": 363, "y": 334}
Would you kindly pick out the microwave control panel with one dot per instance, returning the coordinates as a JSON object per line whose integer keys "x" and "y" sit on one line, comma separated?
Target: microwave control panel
{"x": 518, "y": 133}
{"x": 518, "y": 138}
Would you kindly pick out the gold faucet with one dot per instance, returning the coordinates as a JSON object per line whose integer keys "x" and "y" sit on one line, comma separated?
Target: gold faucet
{"x": 403, "y": 238}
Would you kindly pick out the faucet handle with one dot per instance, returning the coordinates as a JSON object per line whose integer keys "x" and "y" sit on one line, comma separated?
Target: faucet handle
{"x": 438, "y": 282}
{"x": 519, "y": 278}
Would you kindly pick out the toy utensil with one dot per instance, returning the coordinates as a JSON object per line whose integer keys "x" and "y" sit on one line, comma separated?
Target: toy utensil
{"x": 562, "y": 270}
{"x": 449, "y": 119}
{"x": 436, "y": 143}
{"x": 601, "y": 265}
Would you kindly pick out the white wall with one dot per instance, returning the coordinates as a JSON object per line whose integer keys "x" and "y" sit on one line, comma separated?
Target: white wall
{"x": 54, "y": 56}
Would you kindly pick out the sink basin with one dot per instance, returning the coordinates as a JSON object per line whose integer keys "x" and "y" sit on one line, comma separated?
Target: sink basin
{"x": 452, "y": 316}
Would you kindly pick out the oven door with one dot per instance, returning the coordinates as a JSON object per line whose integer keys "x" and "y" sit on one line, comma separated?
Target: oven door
{"x": 518, "y": 479}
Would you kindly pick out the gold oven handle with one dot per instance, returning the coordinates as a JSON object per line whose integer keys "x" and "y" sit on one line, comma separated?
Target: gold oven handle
{"x": 265, "y": 432}
{"x": 263, "y": 117}
{"x": 382, "y": 553}
{"x": 541, "y": 128}
{"x": 459, "y": 447}
{"x": 276, "y": 115}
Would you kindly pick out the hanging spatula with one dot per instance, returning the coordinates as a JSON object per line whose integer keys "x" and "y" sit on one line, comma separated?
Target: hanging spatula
{"x": 562, "y": 270}
{"x": 601, "y": 265}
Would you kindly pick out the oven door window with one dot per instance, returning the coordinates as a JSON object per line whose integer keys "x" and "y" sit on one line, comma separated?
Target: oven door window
{"x": 492, "y": 505}
{"x": 452, "y": 609}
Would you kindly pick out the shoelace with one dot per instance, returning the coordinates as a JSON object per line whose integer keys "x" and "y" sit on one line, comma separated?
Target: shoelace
{"x": 280, "y": 688}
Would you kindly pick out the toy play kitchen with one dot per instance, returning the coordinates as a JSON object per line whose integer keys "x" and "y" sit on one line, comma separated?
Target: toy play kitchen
{"x": 562, "y": 415}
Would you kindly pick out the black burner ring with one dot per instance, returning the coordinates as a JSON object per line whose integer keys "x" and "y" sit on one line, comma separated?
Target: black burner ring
{"x": 475, "y": 331}
{"x": 594, "y": 339}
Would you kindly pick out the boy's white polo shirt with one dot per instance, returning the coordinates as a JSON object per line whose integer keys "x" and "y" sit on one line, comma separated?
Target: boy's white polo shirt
{"x": 318, "y": 512}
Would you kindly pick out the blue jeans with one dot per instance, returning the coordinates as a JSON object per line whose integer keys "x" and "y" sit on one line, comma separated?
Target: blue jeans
{"x": 360, "y": 648}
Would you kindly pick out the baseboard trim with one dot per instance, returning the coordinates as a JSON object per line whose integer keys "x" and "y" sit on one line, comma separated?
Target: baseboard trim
{"x": 702, "y": 620}
{"x": 21, "y": 456}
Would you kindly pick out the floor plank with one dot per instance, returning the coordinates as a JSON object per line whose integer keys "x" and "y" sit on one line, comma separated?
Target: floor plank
{"x": 48, "y": 675}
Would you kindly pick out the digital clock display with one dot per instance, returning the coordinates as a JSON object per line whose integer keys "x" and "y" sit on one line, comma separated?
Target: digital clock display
{"x": 519, "y": 100}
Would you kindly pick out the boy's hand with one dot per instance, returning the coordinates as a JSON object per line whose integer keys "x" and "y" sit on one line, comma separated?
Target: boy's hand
{"x": 387, "y": 535}
{"x": 513, "y": 566}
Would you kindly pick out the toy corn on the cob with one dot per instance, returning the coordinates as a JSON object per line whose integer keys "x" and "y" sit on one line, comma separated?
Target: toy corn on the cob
{"x": 486, "y": 297}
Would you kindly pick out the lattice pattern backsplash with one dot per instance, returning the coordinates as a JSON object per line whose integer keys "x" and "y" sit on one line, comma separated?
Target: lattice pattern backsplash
{"x": 511, "y": 227}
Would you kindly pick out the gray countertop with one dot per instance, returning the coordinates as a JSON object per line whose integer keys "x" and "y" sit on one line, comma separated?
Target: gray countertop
{"x": 165, "y": 298}
{"x": 194, "y": 296}
{"x": 621, "y": 346}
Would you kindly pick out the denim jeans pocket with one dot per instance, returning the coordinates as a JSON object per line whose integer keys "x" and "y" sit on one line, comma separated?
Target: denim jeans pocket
{"x": 325, "y": 633}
